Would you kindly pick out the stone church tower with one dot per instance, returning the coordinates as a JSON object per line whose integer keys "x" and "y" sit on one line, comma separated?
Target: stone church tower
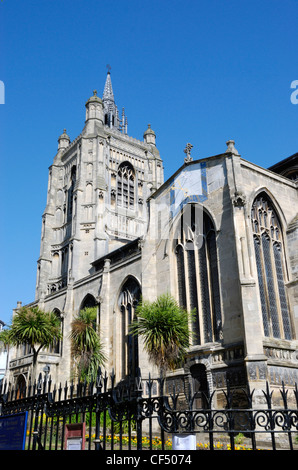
{"x": 97, "y": 188}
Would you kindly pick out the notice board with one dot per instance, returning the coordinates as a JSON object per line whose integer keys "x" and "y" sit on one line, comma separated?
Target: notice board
{"x": 13, "y": 431}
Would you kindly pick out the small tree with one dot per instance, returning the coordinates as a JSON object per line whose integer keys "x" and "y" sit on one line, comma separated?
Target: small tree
{"x": 163, "y": 325}
{"x": 33, "y": 327}
{"x": 87, "y": 349}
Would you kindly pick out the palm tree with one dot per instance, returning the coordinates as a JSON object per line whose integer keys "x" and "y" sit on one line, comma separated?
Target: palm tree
{"x": 34, "y": 327}
{"x": 163, "y": 325}
{"x": 87, "y": 349}
{"x": 4, "y": 337}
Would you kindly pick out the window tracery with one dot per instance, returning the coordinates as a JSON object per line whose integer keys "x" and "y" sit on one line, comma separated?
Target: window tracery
{"x": 269, "y": 254}
{"x": 197, "y": 276}
{"x": 128, "y": 301}
{"x": 56, "y": 347}
{"x": 126, "y": 186}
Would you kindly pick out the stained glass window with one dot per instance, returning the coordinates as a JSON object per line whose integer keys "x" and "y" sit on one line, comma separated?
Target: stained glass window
{"x": 269, "y": 253}
{"x": 197, "y": 276}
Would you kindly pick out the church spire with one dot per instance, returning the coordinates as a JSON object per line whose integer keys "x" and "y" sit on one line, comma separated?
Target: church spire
{"x": 108, "y": 95}
{"x": 111, "y": 114}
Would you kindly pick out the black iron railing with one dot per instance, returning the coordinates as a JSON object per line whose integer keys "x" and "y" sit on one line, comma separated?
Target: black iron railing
{"x": 138, "y": 414}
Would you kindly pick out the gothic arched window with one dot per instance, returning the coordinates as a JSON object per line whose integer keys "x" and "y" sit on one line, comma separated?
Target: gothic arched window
{"x": 128, "y": 301}
{"x": 70, "y": 193}
{"x": 90, "y": 302}
{"x": 56, "y": 347}
{"x": 269, "y": 253}
{"x": 197, "y": 275}
{"x": 126, "y": 186}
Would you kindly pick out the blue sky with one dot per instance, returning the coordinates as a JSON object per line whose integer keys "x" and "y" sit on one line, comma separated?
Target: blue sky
{"x": 198, "y": 71}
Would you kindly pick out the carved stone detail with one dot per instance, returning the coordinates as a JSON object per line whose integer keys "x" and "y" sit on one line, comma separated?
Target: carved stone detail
{"x": 239, "y": 199}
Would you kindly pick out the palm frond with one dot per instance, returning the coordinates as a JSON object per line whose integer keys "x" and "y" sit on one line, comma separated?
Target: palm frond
{"x": 163, "y": 326}
{"x": 87, "y": 349}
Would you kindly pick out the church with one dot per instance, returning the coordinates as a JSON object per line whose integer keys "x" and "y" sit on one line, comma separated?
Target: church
{"x": 220, "y": 235}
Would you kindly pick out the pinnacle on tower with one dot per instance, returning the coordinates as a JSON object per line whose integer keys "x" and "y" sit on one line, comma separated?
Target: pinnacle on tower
{"x": 63, "y": 140}
{"x": 149, "y": 135}
{"x": 231, "y": 147}
{"x": 94, "y": 109}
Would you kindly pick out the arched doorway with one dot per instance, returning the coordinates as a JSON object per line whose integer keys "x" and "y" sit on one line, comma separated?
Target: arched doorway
{"x": 200, "y": 385}
{"x": 21, "y": 386}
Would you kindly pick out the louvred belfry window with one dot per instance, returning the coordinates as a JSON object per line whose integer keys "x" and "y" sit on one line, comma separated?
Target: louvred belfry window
{"x": 126, "y": 186}
{"x": 197, "y": 277}
{"x": 270, "y": 262}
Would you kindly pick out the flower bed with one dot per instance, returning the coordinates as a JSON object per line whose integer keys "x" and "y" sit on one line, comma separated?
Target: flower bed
{"x": 157, "y": 443}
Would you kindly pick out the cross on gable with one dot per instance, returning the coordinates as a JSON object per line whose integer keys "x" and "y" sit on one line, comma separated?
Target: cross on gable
{"x": 187, "y": 151}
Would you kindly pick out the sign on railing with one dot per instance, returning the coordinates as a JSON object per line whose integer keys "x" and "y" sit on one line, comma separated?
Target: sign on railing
{"x": 13, "y": 431}
{"x": 184, "y": 441}
{"x": 75, "y": 436}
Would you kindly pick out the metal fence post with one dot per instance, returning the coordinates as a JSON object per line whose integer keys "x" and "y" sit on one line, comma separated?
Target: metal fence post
{"x": 139, "y": 407}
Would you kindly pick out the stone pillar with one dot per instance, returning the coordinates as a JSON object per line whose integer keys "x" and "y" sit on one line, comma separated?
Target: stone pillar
{"x": 255, "y": 359}
{"x": 101, "y": 202}
{"x": 105, "y": 316}
{"x": 65, "y": 366}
